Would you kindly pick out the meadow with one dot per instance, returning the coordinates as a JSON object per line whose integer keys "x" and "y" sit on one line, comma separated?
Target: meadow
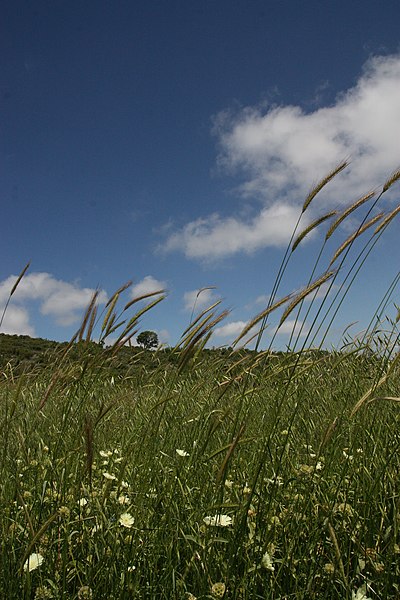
{"x": 200, "y": 473}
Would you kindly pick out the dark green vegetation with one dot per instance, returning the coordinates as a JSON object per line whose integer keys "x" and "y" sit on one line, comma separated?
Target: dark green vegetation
{"x": 111, "y": 478}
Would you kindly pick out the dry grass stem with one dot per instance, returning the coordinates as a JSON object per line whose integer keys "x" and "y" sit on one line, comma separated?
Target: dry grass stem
{"x": 303, "y": 293}
{"x": 261, "y": 316}
{"x": 119, "y": 291}
{"x": 333, "y": 537}
{"x": 347, "y": 212}
{"x": 392, "y": 179}
{"x": 92, "y": 322}
{"x": 143, "y": 297}
{"x": 387, "y": 219}
{"x": 111, "y": 305}
{"x": 87, "y": 316}
{"x": 312, "y": 226}
{"x": 193, "y": 324}
{"x": 317, "y": 188}
{"x": 14, "y": 287}
{"x": 20, "y": 276}
{"x": 355, "y": 235}
{"x": 222, "y": 469}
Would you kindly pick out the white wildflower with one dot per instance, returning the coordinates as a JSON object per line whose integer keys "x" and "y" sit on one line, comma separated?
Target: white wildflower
{"x": 266, "y": 562}
{"x": 182, "y": 452}
{"x": 109, "y": 476}
{"x": 33, "y": 562}
{"x": 218, "y": 521}
{"x": 126, "y": 520}
{"x": 123, "y": 499}
{"x": 105, "y": 453}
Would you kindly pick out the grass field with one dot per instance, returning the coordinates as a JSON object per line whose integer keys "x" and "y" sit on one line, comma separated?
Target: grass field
{"x": 208, "y": 474}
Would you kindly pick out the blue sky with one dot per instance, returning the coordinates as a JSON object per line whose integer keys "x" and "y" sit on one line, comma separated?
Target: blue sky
{"x": 173, "y": 143}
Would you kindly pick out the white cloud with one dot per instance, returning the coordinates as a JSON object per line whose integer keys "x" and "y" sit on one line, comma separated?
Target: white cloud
{"x": 199, "y": 299}
{"x": 216, "y": 237}
{"x": 63, "y": 301}
{"x": 16, "y": 322}
{"x": 232, "y": 329}
{"x": 67, "y": 302}
{"x": 146, "y": 286}
{"x": 282, "y": 151}
{"x": 292, "y": 327}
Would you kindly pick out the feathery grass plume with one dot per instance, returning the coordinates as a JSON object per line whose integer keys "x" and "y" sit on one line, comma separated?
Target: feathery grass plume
{"x": 387, "y": 219}
{"x": 264, "y": 313}
{"x": 305, "y": 292}
{"x": 20, "y": 276}
{"x": 312, "y": 226}
{"x": 329, "y": 433}
{"x": 92, "y": 322}
{"x": 355, "y": 235}
{"x": 132, "y": 323}
{"x": 142, "y": 297}
{"x": 14, "y": 287}
{"x": 109, "y": 314}
{"x": 232, "y": 446}
{"x": 37, "y": 537}
{"x": 200, "y": 291}
{"x": 119, "y": 292}
{"x": 392, "y": 179}
{"x": 192, "y": 325}
{"x": 339, "y": 559}
{"x": 196, "y": 336}
{"x": 366, "y": 397}
{"x": 317, "y": 188}
{"x": 347, "y": 212}
{"x": 112, "y": 326}
{"x": 87, "y": 315}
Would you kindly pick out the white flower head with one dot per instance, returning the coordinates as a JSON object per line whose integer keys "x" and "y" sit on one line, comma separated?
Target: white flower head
{"x": 33, "y": 562}
{"x": 266, "y": 562}
{"x": 82, "y": 502}
{"x": 109, "y": 476}
{"x": 182, "y": 452}
{"x": 218, "y": 521}
{"x": 126, "y": 520}
{"x": 105, "y": 453}
{"x": 123, "y": 499}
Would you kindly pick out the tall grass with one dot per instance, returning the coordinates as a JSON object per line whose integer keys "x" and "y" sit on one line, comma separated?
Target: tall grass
{"x": 203, "y": 474}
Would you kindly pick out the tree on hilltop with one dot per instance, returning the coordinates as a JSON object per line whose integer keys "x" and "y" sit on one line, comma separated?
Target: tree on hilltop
{"x": 147, "y": 339}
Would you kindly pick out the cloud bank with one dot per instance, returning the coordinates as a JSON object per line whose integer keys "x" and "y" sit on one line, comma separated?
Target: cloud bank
{"x": 281, "y": 151}
{"x": 62, "y": 301}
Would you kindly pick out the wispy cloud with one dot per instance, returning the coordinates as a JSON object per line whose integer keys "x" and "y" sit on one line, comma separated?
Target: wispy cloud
{"x": 281, "y": 151}
{"x": 61, "y": 300}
